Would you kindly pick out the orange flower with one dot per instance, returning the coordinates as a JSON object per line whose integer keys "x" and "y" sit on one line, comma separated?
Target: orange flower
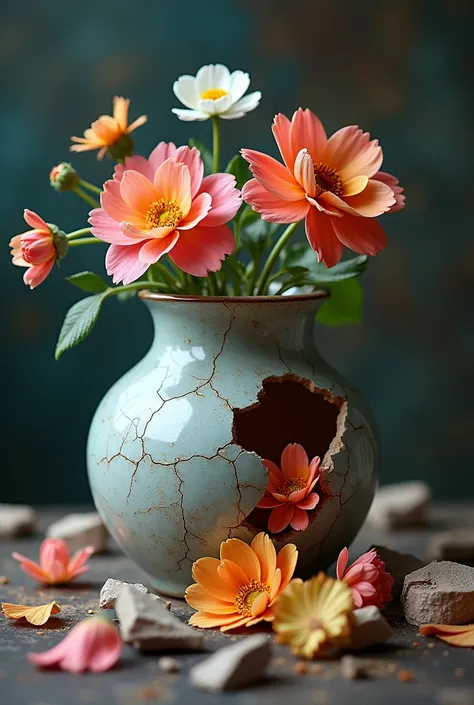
{"x": 240, "y": 588}
{"x": 454, "y": 634}
{"x": 110, "y": 134}
{"x": 56, "y": 566}
{"x": 36, "y": 614}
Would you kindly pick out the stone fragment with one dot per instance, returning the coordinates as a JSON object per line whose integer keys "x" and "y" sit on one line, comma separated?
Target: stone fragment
{"x": 398, "y": 565}
{"x": 112, "y": 588}
{"x": 400, "y": 505}
{"x": 370, "y": 628}
{"x": 440, "y": 593}
{"x": 168, "y": 664}
{"x": 455, "y": 545}
{"x": 16, "y": 520}
{"x": 455, "y": 696}
{"x": 80, "y": 530}
{"x": 150, "y": 626}
{"x": 353, "y": 668}
{"x": 233, "y": 666}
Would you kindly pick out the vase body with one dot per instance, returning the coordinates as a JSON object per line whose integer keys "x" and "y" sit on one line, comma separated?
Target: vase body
{"x": 175, "y": 448}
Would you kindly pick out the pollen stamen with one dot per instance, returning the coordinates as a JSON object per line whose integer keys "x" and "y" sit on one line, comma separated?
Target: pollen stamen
{"x": 293, "y": 484}
{"x": 213, "y": 94}
{"x": 247, "y": 594}
{"x": 327, "y": 179}
{"x": 163, "y": 214}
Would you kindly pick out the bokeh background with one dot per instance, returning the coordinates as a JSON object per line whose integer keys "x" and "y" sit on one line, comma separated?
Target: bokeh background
{"x": 402, "y": 70}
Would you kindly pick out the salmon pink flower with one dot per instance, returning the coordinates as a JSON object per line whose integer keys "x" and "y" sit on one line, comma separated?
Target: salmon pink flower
{"x": 334, "y": 184}
{"x": 92, "y": 645}
{"x": 240, "y": 589}
{"x": 110, "y": 135}
{"x": 163, "y": 205}
{"x": 289, "y": 493}
{"x": 214, "y": 91}
{"x": 56, "y": 566}
{"x": 367, "y": 577}
{"x": 37, "y": 249}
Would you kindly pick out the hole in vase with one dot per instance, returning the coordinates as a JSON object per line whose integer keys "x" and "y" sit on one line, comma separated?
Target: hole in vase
{"x": 292, "y": 409}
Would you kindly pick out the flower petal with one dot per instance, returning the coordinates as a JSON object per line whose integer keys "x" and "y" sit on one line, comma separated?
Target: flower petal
{"x": 272, "y": 208}
{"x": 260, "y": 604}
{"x": 226, "y": 199}
{"x": 263, "y": 547}
{"x": 281, "y": 129}
{"x": 273, "y": 175}
{"x": 393, "y": 182}
{"x": 239, "y": 83}
{"x": 268, "y": 503}
{"x": 304, "y": 172}
{"x": 300, "y": 519}
{"x": 185, "y": 89}
{"x": 30, "y": 567}
{"x": 355, "y": 185}
{"x": 190, "y": 115}
{"x": 205, "y": 573}
{"x": 363, "y": 235}
{"x": 351, "y": 153}
{"x": 192, "y": 158}
{"x": 200, "y": 207}
{"x": 34, "y": 220}
{"x": 201, "y": 250}
{"x": 106, "y": 228}
{"x": 341, "y": 564}
{"x": 280, "y": 518}
{"x": 307, "y": 132}
{"x": 375, "y": 199}
{"x": 240, "y": 553}
{"x": 123, "y": 263}
{"x": 137, "y": 191}
{"x": 320, "y": 231}
{"x": 309, "y": 502}
{"x": 152, "y": 250}
{"x": 294, "y": 461}
{"x": 136, "y": 163}
{"x": 243, "y": 106}
{"x": 232, "y": 575}
{"x": 173, "y": 183}
{"x": 286, "y": 562}
{"x": 206, "y": 620}
{"x": 79, "y": 558}
{"x": 199, "y": 599}
{"x": 162, "y": 152}
{"x": 213, "y": 76}
{"x": 34, "y": 276}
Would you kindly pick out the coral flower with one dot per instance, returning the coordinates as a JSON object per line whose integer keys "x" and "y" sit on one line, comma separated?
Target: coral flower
{"x": 56, "y": 566}
{"x": 367, "y": 577}
{"x": 214, "y": 91}
{"x": 289, "y": 493}
{"x": 334, "y": 184}
{"x": 240, "y": 588}
{"x": 37, "y": 249}
{"x": 163, "y": 205}
{"x": 92, "y": 645}
{"x": 110, "y": 134}
{"x": 313, "y": 615}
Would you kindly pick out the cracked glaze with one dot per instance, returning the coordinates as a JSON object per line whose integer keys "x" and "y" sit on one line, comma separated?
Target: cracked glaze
{"x": 165, "y": 472}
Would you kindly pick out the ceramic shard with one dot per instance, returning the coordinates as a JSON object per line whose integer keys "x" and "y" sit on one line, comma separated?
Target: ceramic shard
{"x": 370, "y": 628}
{"x": 150, "y": 626}
{"x": 233, "y": 666}
{"x": 112, "y": 589}
{"x": 80, "y": 530}
{"x": 16, "y": 520}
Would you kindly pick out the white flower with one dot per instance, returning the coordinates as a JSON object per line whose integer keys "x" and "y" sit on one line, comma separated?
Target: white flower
{"x": 214, "y": 91}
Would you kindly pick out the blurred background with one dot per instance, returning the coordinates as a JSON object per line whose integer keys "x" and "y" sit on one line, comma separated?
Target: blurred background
{"x": 401, "y": 70}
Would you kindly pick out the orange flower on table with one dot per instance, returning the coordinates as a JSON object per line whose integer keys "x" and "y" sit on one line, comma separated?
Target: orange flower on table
{"x": 240, "y": 589}
{"x": 289, "y": 492}
{"x": 55, "y": 566}
{"x": 110, "y": 134}
{"x": 454, "y": 634}
{"x": 37, "y": 249}
{"x": 36, "y": 614}
{"x": 334, "y": 184}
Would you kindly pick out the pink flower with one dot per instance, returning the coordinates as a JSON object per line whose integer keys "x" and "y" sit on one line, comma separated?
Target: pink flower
{"x": 334, "y": 184}
{"x": 163, "y": 205}
{"x": 92, "y": 645}
{"x": 55, "y": 564}
{"x": 370, "y": 582}
{"x": 288, "y": 493}
{"x": 35, "y": 249}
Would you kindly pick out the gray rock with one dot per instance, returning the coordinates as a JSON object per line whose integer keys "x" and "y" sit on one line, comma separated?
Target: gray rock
{"x": 80, "y": 530}
{"x": 440, "y": 593}
{"x": 16, "y": 520}
{"x": 454, "y": 696}
{"x": 150, "y": 626}
{"x": 370, "y": 628}
{"x": 398, "y": 565}
{"x": 353, "y": 668}
{"x": 169, "y": 664}
{"x": 233, "y": 666}
{"x": 456, "y": 545}
{"x": 400, "y": 505}
{"x": 112, "y": 589}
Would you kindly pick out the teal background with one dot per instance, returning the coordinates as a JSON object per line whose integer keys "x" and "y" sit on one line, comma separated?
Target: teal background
{"x": 401, "y": 70}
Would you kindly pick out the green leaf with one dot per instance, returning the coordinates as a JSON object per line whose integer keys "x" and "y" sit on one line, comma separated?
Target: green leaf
{"x": 343, "y": 305}
{"x": 238, "y": 167}
{"x": 206, "y": 154}
{"x": 88, "y": 281}
{"x": 255, "y": 232}
{"x": 79, "y": 321}
{"x": 303, "y": 256}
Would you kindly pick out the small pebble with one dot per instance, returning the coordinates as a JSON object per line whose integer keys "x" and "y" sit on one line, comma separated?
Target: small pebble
{"x": 416, "y": 643}
{"x": 300, "y": 668}
{"x": 430, "y": 645}
{"x": 169, "y": 664}
{"x": 39, "y": 633}
{"x": 353, "y": 668}
{"x": 459, "y": 672}
{"x": 90, "y": 611}
{"x": 405, "y": 676}
{"x": 4, "y": 580}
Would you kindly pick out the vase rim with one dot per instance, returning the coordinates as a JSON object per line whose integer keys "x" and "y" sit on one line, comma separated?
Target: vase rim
{"x": 148, "y": 295}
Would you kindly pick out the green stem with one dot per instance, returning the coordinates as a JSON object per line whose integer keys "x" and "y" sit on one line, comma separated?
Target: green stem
{"x": 136, "y": 286}
{"x": 272, "y": 258}
{"x": 86, "y": 241}
{"x": 91, "y": 187}
{"x": 216, "y": 143}
{"x": 85, "y": 197}
{"x": 212, "y": 282}
{"x": 166, "y": 274}
{"x": 253, "y": 276}
{"x": 78, "y": 233}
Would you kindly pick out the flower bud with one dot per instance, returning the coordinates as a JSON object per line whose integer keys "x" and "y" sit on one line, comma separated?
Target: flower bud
{"x": 64, "y": 177}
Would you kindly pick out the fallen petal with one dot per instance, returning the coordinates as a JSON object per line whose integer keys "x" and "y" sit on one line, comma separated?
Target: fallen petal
{"x": 37, "y": 614}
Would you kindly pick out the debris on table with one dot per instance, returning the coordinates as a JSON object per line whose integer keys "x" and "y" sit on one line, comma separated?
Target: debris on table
{"x": 79, "y": 530}
{"x": 455, "y": 545}
{"x": 456, "y": 635}
{"x": 353, "y": 668}
{"x": 150, "y": 626}
{"x": 400, "y": 505}
{"x": 4, "y": 580}
{"x": 440, "y": 593}
{"x": 405, "y": 676}
{"x": 112, "y": 589}
{"x": 16, "y": 520}
{"x": 168, "y": 664}
{"x": 399, "y": 565}
{"x": 370, "y": 628}
{"x": 34, "y": 614}
{"x": 233, "y": 666}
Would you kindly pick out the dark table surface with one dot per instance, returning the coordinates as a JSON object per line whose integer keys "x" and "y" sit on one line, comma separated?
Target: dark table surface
{"x": 440, "y": 673}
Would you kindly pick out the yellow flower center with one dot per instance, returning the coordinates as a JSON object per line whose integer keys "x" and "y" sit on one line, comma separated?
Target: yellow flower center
{"x": 163, "y": 214}
{"x": 213, "y": 94}
{"x": 327, "y": 179}
{"x": 293, "y": 484}
{"x": 247, "y": 594}
{"x": 315, "y": 624}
